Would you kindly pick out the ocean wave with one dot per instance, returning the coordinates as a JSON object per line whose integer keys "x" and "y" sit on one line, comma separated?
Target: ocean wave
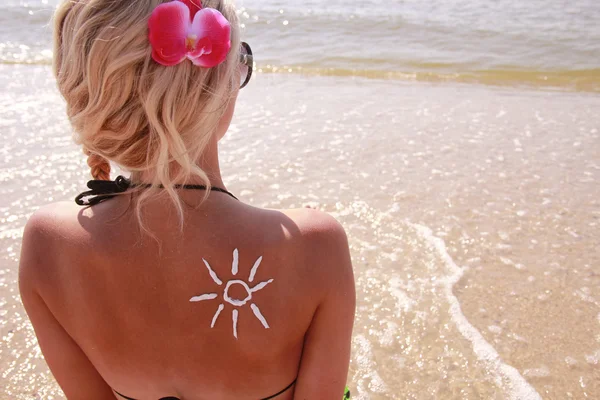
{"x": 582, "y": 80}
{"x": 587, "y": 80}
{"x": 515, "y": 386}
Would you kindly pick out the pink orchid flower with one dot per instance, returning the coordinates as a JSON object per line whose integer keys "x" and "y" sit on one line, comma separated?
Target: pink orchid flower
{"x": 182, "y": 29}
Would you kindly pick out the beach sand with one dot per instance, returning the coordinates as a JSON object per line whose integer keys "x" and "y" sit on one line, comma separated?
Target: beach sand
{"x": 472, "y": 212}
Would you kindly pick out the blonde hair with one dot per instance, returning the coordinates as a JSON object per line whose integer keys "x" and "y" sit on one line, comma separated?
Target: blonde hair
{"x": 128, "y": 109}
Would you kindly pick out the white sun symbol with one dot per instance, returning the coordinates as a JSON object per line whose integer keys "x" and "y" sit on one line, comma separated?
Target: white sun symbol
{"x": 228, "y": 299}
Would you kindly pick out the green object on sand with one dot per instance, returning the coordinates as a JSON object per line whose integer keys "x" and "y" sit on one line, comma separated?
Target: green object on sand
{"x": 346, "y": 394}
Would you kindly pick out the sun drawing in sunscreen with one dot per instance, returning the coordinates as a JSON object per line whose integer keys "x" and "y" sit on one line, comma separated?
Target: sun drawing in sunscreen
{"x": 235, "y": 302}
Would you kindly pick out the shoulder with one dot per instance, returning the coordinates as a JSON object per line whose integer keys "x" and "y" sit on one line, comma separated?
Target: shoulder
{"x": 324, "y": 244}
{"x": 315, "y": 224}
{"x": 45, "y": 231}
{"x": 50, "y": 220}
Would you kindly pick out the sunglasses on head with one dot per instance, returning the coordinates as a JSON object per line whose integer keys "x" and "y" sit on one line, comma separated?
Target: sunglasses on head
{"x": 246, "y": 59}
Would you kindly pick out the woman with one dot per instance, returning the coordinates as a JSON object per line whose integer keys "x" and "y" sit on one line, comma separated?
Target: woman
{"x": 166, "y": 284}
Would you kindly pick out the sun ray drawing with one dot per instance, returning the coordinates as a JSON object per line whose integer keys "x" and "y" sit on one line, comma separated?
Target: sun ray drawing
{"x": 226, "y": 298}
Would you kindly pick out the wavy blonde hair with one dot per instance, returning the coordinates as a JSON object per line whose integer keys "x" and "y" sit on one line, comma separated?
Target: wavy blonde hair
{"x": 128, "y": 109}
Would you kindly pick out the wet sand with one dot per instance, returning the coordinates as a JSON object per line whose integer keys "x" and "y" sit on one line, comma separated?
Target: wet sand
{"x": 472, "y": 212}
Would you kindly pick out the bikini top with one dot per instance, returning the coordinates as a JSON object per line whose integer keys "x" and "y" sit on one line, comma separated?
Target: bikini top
{"x": 175, "y": 398}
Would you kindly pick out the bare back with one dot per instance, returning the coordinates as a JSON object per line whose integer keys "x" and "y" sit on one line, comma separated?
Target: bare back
{"x": 222, "y": 310}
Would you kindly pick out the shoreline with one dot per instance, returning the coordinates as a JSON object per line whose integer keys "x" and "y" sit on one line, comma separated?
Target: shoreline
{"x": 558, "y": 81}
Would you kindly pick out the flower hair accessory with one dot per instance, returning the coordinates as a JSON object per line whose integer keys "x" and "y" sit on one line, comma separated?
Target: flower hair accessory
{"x": 182, "y": 29}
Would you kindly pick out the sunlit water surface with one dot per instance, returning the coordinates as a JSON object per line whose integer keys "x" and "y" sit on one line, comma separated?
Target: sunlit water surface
{"x": 539, "y": 43}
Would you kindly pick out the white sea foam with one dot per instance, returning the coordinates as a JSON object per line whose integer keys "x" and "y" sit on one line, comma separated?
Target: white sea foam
{"x": 515, "y": 386}
{"x": 495, "y": 329}
{"x": 388, "y": 336}
{"x": 541, "y": 372}
{"x": 570, "y": 361}
{"x": 403, "y": 302}
{"x": 593, "y": 359}
{"x": 368, "y": 380}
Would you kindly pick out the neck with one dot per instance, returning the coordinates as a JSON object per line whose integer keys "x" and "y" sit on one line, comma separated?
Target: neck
{"x": 208, "y": 162}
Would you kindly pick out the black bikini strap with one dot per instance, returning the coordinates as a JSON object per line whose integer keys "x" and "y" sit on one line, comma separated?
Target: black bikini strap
{"x": 175, "y": 398}
{"x": 104, "y": 190}
{"x": 123, "y": 396}
{"x": 130, "y": 398}
{"x": 281, "y": 392}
